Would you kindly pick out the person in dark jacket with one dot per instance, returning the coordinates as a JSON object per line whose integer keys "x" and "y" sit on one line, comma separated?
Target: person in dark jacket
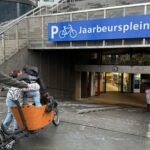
{"x": 5, "y": 79}
{"x": 30, "y": 79}
{"x": 45, "y": 97}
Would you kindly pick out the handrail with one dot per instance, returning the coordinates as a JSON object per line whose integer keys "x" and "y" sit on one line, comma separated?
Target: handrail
{"x": 99, "y": 9}
{"x": 54, "y": 5}
{"x": 27, "y": 36}
{"x": 32, "y": 12}
{"x": 39, "y": 40}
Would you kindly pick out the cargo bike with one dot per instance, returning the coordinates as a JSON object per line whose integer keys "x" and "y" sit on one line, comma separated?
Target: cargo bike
{"x": 30, "y": 120}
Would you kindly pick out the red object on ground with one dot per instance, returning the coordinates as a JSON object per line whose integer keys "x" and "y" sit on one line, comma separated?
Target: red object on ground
{"x": 98, "y": 84}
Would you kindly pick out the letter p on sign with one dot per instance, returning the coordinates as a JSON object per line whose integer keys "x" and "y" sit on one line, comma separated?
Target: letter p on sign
{"x": 54, "y": 30}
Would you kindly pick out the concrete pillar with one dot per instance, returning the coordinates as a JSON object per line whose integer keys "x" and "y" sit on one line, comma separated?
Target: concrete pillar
{"x": 98, "y": 84}
{"x": 78, "y": 85}
{"x": 89, "y": 84}
{"x": 92, "y": 84}
{"x": 84, "y": 85}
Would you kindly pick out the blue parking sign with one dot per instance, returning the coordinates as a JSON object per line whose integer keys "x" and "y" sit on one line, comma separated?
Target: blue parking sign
{"x": 101, "y": 29}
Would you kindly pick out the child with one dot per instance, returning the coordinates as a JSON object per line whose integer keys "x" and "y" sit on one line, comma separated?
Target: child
{"x": 33, "y": 73}
{"x": 14, "y": 94}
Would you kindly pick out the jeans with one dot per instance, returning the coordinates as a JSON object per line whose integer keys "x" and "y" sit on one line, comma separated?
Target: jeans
{"x": 35, "y": 95}
{"x": 9, "y": 117}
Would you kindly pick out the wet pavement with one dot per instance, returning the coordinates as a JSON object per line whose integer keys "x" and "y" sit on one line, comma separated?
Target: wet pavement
{"x": 103, "y": 128}
{"x": 77, "y": 137}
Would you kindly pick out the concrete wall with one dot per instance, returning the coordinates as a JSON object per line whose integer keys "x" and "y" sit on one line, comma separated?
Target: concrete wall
{"x": 17, "y": 61}
{"x": 56, "y": 69}
{"x": 87, "y": 4}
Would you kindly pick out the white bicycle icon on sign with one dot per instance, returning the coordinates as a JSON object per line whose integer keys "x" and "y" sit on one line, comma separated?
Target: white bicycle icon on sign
{"x": 68, "y": 30}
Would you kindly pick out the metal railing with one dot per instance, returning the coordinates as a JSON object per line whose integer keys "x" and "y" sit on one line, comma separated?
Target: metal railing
{"x": 38, "y": 34}
{"x": 14, "y": 35}
{"x": 42, "y": 10}
{"x": 30, "y": 30}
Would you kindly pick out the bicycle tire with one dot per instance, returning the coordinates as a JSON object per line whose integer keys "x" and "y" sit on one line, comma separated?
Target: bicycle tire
{"x": 56, "y": 120}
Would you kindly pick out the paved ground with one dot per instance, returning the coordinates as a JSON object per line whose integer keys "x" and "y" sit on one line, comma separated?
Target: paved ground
{"x": 125, "y": 99}
{"x": 78, "y": 137}
{"x": 123, "y": 119}
{"x": 91, "y": 127}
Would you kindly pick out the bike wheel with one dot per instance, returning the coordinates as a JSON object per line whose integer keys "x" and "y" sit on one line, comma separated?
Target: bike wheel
{"x": 10, "y": 145}
{"x": 56, "y": 120}
{"x": 61, "y": 34}
{"x": 73, "y": 33}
